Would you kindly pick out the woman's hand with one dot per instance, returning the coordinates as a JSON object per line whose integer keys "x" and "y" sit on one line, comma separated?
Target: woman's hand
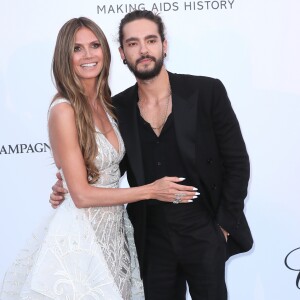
{"x": 168, "y": 189}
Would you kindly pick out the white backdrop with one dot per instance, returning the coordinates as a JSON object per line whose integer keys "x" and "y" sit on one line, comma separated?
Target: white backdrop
{"x": 252, "y": 46}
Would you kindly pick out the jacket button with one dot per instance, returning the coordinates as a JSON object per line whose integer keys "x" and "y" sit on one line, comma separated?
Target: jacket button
{"x": 210, "y": 161}
{"x": 213, "y": 187}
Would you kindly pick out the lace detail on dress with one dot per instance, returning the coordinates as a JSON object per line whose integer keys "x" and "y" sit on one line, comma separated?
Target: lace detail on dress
{"x": 81, "y": 253}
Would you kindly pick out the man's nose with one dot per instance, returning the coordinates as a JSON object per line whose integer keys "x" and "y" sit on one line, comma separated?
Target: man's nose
{"x": 144, "y": 49}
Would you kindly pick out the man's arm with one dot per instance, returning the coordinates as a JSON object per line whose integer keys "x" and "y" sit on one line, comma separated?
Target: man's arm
{"x": 235, "y": 161}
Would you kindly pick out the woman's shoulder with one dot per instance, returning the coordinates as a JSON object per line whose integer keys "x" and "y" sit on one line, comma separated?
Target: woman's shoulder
{"x": 61, "y": 109}
{"x": 59, "y": 101}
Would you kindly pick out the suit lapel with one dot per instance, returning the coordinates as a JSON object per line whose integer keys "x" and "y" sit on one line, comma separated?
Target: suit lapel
{"x": 128, "y": 124}
{"x": 185, "y": 114}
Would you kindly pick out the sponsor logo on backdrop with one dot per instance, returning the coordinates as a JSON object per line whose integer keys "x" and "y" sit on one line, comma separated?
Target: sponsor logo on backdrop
{"x": 165, "y": 6}
{"x": 24, "y": 148}
{"x": 292, "y": 262}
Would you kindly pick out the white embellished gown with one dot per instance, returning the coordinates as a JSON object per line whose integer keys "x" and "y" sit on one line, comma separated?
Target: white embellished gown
{"x": 86, "y": 253}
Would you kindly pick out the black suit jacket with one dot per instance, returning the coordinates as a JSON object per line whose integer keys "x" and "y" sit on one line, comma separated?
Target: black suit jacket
{"x": 213, "y": 151}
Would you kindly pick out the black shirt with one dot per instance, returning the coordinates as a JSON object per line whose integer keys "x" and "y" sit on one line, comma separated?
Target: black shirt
{"x": 161, "y": 156}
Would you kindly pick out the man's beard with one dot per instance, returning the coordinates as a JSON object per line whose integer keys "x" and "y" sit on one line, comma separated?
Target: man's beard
{"x": 146, "y": 74}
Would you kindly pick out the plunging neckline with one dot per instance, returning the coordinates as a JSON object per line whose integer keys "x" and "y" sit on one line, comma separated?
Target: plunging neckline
{"x": 118, "y": 150}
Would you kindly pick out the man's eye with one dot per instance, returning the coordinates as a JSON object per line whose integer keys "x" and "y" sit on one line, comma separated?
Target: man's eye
{"x": 151, "y": 41}
{"x": 131, "y": 44}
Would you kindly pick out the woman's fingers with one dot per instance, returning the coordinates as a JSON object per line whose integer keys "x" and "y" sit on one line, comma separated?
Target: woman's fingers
{"x": 169, "y": 189}
{"x": 183, "y": 197}
{"x": 178, "y": 186}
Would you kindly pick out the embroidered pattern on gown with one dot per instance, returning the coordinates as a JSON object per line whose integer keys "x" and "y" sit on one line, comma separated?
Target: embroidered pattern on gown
{"x": 86, "y": 253}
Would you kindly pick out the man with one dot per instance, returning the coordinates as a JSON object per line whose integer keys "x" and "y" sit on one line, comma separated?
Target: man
{"x": 180, "y": 125}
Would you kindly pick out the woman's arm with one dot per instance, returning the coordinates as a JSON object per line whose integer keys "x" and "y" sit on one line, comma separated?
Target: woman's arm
{"x": 67, "y": 155}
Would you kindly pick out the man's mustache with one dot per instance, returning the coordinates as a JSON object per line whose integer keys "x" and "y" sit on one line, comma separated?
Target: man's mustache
{"x": 145, "y": 57}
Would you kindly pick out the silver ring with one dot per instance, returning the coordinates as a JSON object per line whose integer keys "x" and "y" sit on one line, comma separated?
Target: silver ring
{"x": 178, "y": 198}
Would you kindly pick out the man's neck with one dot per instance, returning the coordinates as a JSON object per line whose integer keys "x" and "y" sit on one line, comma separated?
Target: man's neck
{"x": 156, "y": 88}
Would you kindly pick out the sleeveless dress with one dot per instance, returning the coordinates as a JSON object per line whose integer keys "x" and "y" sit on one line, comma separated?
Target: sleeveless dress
{"x": 86, "y": 253}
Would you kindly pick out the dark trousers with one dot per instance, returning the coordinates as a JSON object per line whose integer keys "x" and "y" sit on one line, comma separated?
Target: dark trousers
{"x": 183, "y": 245}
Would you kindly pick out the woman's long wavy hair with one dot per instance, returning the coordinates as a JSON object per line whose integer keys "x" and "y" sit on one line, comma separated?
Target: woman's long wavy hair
{"x": 69, "y": 87}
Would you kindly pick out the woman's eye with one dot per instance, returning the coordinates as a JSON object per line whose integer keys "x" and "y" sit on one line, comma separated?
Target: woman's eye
{"x": 96, "y": 45}
{"x": 76, "y": 48}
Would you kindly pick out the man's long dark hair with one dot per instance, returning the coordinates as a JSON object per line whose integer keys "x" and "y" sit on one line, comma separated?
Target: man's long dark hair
{"x": 138, "y": 15}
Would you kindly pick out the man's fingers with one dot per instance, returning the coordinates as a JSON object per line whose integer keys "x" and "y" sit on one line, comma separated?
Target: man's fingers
{"x": 55, "y": 197}
{"x": 59, "y": 183}
{"x": 55, "y": 202}
{"x": 59, "y": 190}
{"x": 58, "y": 176}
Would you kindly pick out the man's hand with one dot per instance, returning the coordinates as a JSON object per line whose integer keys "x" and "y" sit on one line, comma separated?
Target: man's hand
{"x": 58, "y": 194}
{"x": 226, "y": 234}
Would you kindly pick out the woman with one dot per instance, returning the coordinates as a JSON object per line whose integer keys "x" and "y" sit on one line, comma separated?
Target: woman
{"x": 86, "y": 250}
